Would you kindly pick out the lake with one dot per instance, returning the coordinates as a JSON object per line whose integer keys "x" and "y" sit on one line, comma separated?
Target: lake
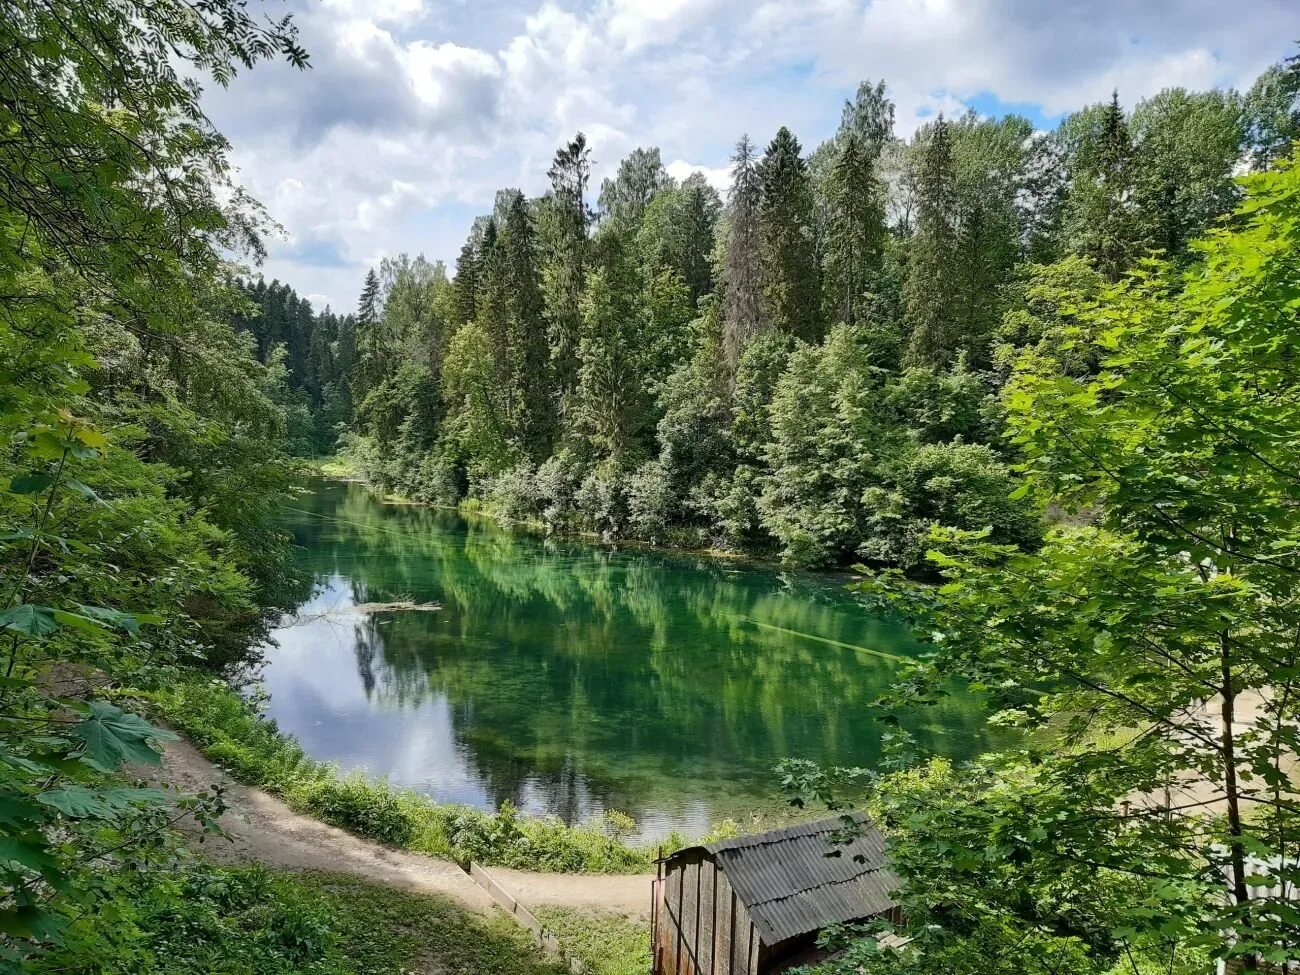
{"x": 571, "y": 677}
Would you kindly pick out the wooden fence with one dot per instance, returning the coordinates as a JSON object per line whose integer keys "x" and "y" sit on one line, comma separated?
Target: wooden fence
{"x": 524, "y": 917}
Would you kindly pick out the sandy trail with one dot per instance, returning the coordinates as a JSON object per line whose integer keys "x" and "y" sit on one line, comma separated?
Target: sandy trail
{"x": 264, "y": 830}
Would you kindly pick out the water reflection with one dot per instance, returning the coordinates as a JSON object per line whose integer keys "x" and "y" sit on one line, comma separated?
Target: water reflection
{"x": 571, "y": 678}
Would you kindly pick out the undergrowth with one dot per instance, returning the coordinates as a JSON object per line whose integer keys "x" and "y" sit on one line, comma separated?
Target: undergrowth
{"x": 200, "y": 919}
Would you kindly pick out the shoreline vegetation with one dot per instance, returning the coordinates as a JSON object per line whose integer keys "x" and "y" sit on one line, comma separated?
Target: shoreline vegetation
{"x": 338, "y": 467}
{"x": 226, "y": 727}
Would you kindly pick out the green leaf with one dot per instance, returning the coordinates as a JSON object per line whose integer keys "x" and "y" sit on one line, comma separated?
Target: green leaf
{"x": 32, "y": 922}
{"x": 28, "y": 850}
{"x": 114, "y": 736}
{"x": 83, "y": 489}
{"x": 111, "y": 617}
{"x": 30, "y": 619}
{"x": 18, "y": 810}
{"x": 79, "y": 802}
{"x": 30, "y": 483}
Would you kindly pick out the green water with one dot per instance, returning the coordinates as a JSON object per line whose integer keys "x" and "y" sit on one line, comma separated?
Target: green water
{"x": 572, "y": 677}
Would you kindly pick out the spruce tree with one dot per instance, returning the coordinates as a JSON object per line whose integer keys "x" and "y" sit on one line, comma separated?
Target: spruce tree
{"x": 371, "y": 351}
{"x": 464, "y": 301}
{"x": 1102, "y": 222}
{"x": 927, "y": 294}
{"x": 529, "y": 406}
{"x": 744, "y": 316}
{"x": 565, "y": 223}
{"x": 791, "y": 286}
{"x": 855, "y": 229}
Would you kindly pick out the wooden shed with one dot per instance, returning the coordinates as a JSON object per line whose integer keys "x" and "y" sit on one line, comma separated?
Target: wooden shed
{"x": 755, "y": 905}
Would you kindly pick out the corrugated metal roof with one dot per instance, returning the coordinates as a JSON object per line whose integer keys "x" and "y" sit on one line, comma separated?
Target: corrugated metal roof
{"x": 791, "y": 886}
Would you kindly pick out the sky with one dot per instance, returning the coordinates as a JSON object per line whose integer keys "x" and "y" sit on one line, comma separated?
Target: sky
{"x": 415, "y": 112}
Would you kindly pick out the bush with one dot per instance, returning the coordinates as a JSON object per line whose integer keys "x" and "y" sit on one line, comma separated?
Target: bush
{"x": 514, "y": 494}
{"x": 602, "y": 500}
{"x": 558, "y": 480}
{"x": 957, "y": 485}
{"x": 354, "y": 803}
{"x": 650, "y": 502}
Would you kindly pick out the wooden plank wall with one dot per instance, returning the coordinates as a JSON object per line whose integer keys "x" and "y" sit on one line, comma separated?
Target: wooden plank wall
{"x": 702, "y": 927}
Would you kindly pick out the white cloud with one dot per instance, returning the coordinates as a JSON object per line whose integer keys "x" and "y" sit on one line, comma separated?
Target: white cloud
{"x": 408, "y": 122}
{"x": 719, "y": 177}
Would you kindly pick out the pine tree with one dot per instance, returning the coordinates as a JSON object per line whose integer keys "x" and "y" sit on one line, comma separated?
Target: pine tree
{"x": 855, "y": 231}
{"x": 791, "y": 285}
{"x": 744, "y": 316}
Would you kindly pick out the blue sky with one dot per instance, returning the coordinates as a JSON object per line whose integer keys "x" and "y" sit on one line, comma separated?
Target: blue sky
{"x": 416, "y": 111}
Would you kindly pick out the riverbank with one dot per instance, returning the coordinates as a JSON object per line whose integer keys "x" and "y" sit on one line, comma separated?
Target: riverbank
{"x": 232, "y": 735}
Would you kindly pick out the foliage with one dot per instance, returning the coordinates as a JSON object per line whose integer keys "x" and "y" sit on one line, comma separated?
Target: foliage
{"x": 1166, "y": 629}
{"x": 143, "y": 440}
{"x": 608, "y": 344}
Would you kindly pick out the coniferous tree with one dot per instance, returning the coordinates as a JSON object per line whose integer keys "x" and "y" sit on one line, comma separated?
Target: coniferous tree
{"x": 1101, "y": 220}
{"x": 465, "y": 288}
{"x": 611, "y": 411}
{"x": 566, "y": 220}
{"x": 791, "y": 286}
{"x": 855, "y": 230}
{"x": 932, "y": 253}
{"x": 371, "y": 351}
{"x": 744, "y": 315}
{"x": 529, "y": 406}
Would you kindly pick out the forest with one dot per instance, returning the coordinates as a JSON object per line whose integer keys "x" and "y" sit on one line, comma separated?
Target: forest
{"x": 811, "y": 371}
{"x": 1053, "y": 372}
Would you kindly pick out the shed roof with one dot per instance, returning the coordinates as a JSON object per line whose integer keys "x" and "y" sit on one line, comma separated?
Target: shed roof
{"x": 792, "y": 883}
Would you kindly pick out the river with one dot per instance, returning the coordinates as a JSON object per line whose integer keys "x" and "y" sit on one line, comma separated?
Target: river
{"x": 571, "y": 677}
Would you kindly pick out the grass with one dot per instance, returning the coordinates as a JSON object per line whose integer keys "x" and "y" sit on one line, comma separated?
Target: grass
{"x": 338, "y": 466}
{"x": 607, "y": 944}
{"x": 253, "y": 750}
{"x": 198, "y": 919}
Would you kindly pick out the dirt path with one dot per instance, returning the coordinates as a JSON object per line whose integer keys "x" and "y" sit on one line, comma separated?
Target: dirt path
{"x": 264, "y": 830}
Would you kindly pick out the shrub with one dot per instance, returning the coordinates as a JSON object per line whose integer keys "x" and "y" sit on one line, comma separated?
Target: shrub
{"x": 602, "y": 500}
{"x": 514, "y": 494}
{"x": 356, "y": 804}
{"x": 650, "y": 502}
{"x": 957, "y": 485}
